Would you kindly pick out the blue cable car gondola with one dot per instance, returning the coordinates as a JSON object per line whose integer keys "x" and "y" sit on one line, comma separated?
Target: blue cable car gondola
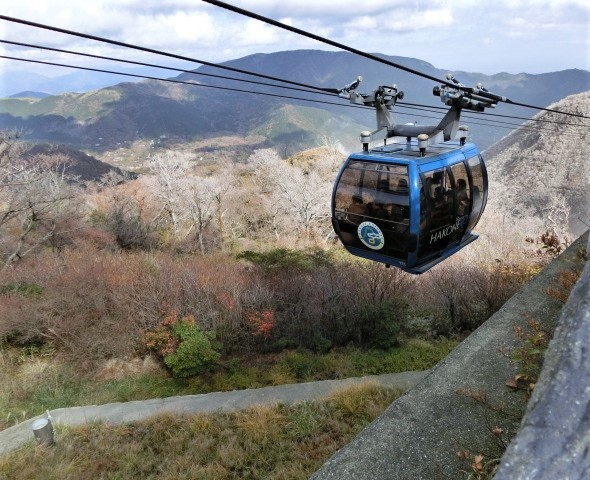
{"x": 413, "y": 204}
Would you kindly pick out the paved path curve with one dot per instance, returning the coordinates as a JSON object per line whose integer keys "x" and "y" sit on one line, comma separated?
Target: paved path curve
{"x": 116, "y": 413}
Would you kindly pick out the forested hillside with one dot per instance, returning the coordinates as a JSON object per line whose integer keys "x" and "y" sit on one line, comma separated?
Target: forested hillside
{"x": 542, "y": 171}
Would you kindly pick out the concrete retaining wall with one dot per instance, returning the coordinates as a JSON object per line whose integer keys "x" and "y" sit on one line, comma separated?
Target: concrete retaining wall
{"x": 554, "y": 439}
{"x": 434, "y": 430}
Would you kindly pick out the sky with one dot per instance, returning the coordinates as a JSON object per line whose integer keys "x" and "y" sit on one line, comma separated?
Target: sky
{"x": 532, "y": 36}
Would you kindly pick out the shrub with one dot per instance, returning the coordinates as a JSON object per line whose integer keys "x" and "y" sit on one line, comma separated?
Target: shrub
{"x": 124, "y": 221}
{"x": 320, "y": 344}
{"x": 565, "y": 282}
{"x": 300, "y": 364}
{"x": 183, "y": 346}
{"x": 379, "y": 326}
{"x": 462, "y": 298}
{"x": 551, "y": 244}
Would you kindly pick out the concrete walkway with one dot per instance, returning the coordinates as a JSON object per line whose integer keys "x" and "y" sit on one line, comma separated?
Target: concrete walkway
{"x": 116, "y": 413}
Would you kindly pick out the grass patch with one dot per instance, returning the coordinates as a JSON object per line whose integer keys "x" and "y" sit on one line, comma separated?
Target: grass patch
{"x": 412, "y": 355}
{"x": 271, "y": 442}
{"x": 23, "y": 289}
{"x": 31, "y": 383}
{"x": 281, "y": 259}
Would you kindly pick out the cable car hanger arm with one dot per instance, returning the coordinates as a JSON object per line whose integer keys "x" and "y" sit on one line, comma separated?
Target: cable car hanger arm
{"x": 384, "y": 98}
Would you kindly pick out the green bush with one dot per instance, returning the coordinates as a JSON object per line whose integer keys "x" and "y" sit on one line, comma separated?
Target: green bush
{"x": 183, "y": 346}
{"x": 197, "y": 350}
{"x": 320, "y": 344}
{"x": 380, "y": 327}
{"x": 299, "y": 364}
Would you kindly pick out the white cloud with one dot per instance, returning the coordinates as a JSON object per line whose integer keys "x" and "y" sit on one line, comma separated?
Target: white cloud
{"x": 364, "y": 23}
{"x": 287, "y": 21}
{"x": 176, "y": 29}
{"x": 254, "y": 32}
{"x": 427, "y": 29}
{"x": 317, "y": 8}
{"x": 523, "y": 5}
{"x": 441, "y": 17}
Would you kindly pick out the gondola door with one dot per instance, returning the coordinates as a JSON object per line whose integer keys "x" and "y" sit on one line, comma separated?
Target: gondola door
{"x": 479, "y": 189}
{"x": 445, "y": 203}
{"x": 462, "y": 200}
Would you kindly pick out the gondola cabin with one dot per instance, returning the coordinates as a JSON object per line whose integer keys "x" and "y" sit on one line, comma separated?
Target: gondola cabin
{"x": 408, "y": 208}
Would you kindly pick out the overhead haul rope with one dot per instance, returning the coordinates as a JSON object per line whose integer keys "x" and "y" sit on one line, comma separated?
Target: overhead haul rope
{"x": 492, "y": 123}
{"x": 269, "y": 77}
{"x": 414, "y": 106}
{"x": 376, "y": 58}
{"x": 148, "y": 77}
{"x": 133, "y": 62}
{"x": 159, "y": 52}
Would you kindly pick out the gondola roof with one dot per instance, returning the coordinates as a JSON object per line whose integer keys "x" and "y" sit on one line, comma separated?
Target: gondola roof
{"x": 409, "y": 152}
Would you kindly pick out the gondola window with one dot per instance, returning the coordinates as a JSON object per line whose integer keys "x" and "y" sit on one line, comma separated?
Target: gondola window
{"x": 372, "y": 207}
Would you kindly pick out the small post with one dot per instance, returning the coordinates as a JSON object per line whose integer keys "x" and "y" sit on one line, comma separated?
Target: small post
{"x": 422, "y": 143}
{"x": 365, "y": 139}
{"x": 463, "y": 129}
{"x": 43, "y": 430}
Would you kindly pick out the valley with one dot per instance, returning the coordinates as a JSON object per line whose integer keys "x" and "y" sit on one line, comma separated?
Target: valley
{"x": 157, "y": 241}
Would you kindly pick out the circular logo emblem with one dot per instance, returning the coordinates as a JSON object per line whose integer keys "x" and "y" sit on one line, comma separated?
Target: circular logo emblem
{"x": 371, "y": 235}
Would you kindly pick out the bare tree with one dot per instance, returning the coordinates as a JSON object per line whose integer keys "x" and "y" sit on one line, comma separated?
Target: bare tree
{"x": 219, "y": 190}
{"x": 34, "y": 195}
{"x": 171, "y": 170}
{"x": 266, "y": 165}
{"x": 201, "y": 209}
{"x": 301, "y": 197}
{"x": 558, "y": 214}
{"x": 113, "y": 178}
{"x": 304, "y": 197}
{"x": 254, "y": 206}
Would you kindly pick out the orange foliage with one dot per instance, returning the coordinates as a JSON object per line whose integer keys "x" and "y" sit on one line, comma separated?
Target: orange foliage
{"x": 263, "y": 322}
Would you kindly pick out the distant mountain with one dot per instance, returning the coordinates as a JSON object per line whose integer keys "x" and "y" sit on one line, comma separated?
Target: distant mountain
{"x": 14, "y": 81}
{"x": 30, "y": 94}
{"x": 127, "y": 112}
{"x": 543, "y": 170}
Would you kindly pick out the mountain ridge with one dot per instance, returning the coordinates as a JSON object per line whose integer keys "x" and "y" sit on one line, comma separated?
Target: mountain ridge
{"x": 150, "y": 109}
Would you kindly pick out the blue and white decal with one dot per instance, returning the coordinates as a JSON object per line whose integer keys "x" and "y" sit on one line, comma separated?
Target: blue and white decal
{"x": 371, "y": 235}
